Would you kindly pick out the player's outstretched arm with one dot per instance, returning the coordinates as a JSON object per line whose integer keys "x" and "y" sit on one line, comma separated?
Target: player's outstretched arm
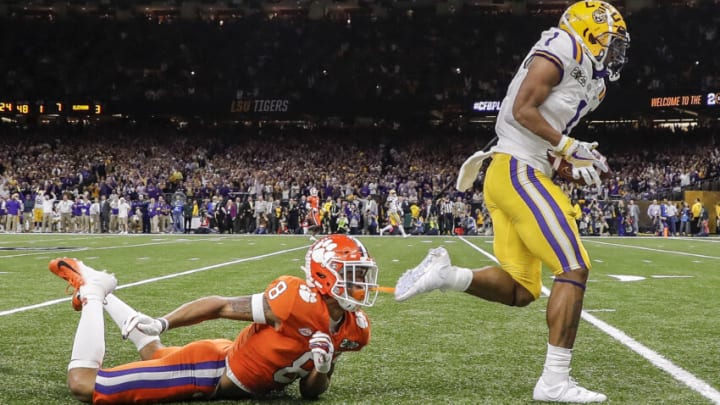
{"x": 245, "y": 308}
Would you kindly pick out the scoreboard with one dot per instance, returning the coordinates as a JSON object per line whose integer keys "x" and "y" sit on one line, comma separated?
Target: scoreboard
{"x": 9, "y": 107}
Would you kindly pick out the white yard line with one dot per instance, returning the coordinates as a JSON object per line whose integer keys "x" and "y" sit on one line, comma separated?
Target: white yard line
{"x": 154, "y": 279}
{"x": 693, "y": 382}
{"x": 673, "y": 252}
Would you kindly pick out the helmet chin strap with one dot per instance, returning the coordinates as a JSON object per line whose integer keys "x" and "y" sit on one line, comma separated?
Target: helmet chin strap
{"x": 600, "y": 74}
{"x": 346, "y": 305}
{"x": 343, "y": 302}
{"x": 606, "y": 73}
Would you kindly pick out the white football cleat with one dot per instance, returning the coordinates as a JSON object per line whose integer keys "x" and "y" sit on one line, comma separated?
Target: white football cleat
{"x": 429, "y": 275}
{"x": 567, "y": 391}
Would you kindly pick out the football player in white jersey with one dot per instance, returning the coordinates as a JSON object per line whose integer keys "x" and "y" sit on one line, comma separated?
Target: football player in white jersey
{"x": 560, "y": 80}
{"x": 395, "y": 213}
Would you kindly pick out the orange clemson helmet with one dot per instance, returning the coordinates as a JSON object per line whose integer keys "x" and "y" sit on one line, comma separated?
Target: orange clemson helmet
{"x": 341, "y": 267}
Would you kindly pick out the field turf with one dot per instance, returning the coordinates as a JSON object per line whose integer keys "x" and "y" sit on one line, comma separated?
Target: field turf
{"x": 649, "y": 334}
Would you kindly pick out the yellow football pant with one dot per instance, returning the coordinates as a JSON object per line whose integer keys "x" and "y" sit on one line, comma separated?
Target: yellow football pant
{"x": 532, "y": 222}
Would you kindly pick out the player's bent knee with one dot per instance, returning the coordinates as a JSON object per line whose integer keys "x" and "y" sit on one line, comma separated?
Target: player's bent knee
{"x": 577, "y": 278}
{"x": 81, "y": 382}
{"x": 521, "y": 297}
{"x": 580, "y": 275}
{"x": 147, "y": 352}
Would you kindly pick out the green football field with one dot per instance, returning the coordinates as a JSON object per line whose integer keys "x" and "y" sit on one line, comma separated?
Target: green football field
{"x": 650, "y": 332}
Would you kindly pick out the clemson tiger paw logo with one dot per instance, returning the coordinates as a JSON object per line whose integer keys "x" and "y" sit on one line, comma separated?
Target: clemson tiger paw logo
{"x": 323, "y": 252}
{"x": 307, "y": 295}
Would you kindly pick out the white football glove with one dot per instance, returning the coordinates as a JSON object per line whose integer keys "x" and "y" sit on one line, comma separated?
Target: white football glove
{"x": 322, "y": 349}
{"x": 583, "y": 157}
{"x": 145, "y": 324}
{"x": 469, "y": 170}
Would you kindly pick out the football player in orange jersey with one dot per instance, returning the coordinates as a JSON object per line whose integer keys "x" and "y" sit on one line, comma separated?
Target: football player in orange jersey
{"x": 313, "y": 213}
{"x": 299, "y": 328}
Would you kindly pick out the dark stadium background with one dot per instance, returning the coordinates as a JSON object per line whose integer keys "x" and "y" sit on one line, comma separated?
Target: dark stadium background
{"x": 326, "y": 74}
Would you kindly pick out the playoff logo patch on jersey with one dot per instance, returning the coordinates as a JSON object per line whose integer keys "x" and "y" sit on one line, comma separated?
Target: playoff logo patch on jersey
{"x": 579, "y": 75}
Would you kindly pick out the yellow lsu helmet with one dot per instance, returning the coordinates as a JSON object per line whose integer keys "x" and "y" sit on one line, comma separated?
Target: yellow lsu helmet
{"x": 602, "y": 33}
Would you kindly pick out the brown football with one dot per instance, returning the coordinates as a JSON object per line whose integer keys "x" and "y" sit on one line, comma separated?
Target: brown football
{"x": 563, "y": 168}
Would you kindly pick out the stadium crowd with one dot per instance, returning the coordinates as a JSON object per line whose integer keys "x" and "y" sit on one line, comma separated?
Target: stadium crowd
{"x": 258, "y": 181}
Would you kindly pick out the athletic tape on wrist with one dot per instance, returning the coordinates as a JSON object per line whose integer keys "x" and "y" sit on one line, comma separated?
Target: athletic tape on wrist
{"x": 563, "y": 145}
{"x": 164, "y": 322}
{"x": 258, "y": 308}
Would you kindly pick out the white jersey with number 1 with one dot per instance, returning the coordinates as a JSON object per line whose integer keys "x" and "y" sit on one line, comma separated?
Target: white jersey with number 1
{"x": 576, "y": 94}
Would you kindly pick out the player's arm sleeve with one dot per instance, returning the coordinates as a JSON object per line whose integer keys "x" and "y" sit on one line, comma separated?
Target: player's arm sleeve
{"x": 281, "y": 297}
{"x": 560, "y": 49}
{"x": 253, "y": 308}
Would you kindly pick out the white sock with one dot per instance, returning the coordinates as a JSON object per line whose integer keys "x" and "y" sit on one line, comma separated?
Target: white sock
{"x": 120, "y": 311}
{"x": 402, "y": 230}
{"x": 557, "y": 364}
{"x": 89, "y": 345}
{"x": 459, "y": 278}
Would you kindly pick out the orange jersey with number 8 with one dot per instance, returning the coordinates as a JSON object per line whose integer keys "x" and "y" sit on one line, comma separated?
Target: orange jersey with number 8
{"x": 264, "y": 358}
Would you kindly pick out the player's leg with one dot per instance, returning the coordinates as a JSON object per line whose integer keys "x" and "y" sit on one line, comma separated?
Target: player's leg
{"x": 399, "y": 222}
{"x": 387, "y": 228}
{"x": 311, "y": 226}
{"x": 553, "y": 237}
{"x": 88, "y": 350}
{"x": 565, "y": 306}
{"x": 191, "y": 372}
{"x": 516, "y": 283}
{"x": 89, "y": 344}
{"x": 316, "y": 224}
{"x": 563, "y": 318}
{"x": 510, "y": 285}
{"x": 541, "y": 214}
{"x": 120, "y": 311}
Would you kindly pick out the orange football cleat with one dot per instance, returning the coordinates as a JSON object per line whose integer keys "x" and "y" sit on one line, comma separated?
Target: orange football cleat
{"x": 69, "y": 270}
